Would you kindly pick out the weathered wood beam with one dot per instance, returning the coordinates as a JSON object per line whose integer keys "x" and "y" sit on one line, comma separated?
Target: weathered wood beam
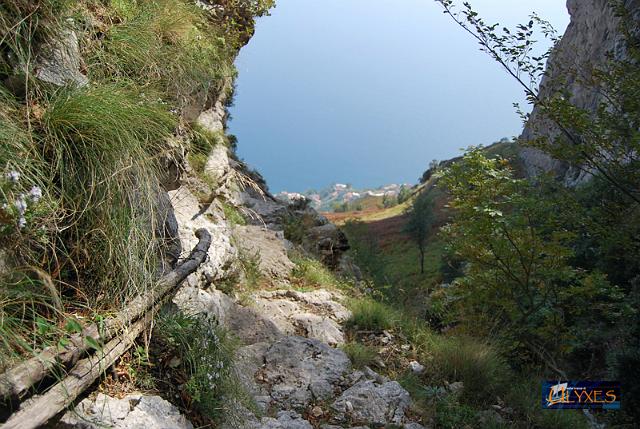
{"x": 16, "y": 382}
{"x": 38, "y": 410}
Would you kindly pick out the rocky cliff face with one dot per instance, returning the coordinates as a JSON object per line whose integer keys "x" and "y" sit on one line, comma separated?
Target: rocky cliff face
{"x": 591, "y": 36}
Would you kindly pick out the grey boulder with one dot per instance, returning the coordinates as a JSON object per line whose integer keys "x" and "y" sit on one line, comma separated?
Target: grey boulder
{"x": 299, "y": 370}
{"x": 373, "y": 403}
{"x": 132, "y": 412}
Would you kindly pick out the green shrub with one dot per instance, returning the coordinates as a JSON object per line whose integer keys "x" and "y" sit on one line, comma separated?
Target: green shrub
{"x": 361, "y": 355}
{"x": 520, "y": 286}
{"x": 296, "y": 226}
{"x": 372, "y": 315}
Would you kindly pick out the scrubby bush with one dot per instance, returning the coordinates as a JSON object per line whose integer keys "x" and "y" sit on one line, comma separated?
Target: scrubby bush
{"x": 296, "y": 225}
{"x": 519, "y": 286}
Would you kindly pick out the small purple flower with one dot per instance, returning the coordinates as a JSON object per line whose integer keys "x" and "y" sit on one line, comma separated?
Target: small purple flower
{"x": 21, "y": 204}
{"x": 22, "y": 222}
{"x": 13, "y": 176}
{"x": 35, "y": 194}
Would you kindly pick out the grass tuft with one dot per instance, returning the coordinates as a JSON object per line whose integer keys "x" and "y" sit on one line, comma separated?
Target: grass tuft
{"x": 166, "y": 45}
{"x": 370, "y": 314}
{"x": 233, "y": 215}
{"x": 310, "y": 272}
{"x": 250, "y": 264}
{"x": 484, "y": 373}
{"x": 106, "y": 179}
{"x": 361, "y": 355}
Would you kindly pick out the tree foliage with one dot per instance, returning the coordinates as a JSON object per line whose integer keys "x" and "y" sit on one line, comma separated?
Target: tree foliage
{"x": 519, "y": 286}
{"x": 420, "y": 220}
{"x": 404, "y": 194}
{"x": 596, "y": 237}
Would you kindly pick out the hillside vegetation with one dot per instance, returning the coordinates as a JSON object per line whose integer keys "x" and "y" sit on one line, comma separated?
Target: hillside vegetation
{"x": 526, "y": 279}
{"x": 98, "y": 101}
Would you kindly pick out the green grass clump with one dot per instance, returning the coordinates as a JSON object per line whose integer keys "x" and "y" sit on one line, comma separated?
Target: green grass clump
{"x": 312, "y": 273}
{"x": 361, "y": 355}
{"x": 103, "y": 143}
{"x": 202, "y": 140}
{"x": 250, "y": 264}
{"x": 201, "y": 143}
{"x": 233, "y": 215}
{"x": 370, "y": 314}
{"x": 167, "y": 45}
{"x": 484, "y": 373}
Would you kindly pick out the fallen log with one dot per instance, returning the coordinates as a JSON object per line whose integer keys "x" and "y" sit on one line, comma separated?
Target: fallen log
{"x": 15, "y": 382}
{"x": 38, "y": 410}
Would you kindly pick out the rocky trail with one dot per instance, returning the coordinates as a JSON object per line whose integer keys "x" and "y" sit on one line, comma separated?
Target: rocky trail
{"x": 289, "y": 361}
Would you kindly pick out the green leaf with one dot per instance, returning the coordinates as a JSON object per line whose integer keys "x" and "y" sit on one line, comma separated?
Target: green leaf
{"x": 44, "y": 327}
{"x": 73, "y": 326}
{"x": 93, "y": 343}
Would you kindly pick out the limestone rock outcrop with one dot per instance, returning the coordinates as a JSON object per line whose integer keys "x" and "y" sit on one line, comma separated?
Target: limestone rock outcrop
{"x": 59, "y": 61}
{"x": 592, "y": 34}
